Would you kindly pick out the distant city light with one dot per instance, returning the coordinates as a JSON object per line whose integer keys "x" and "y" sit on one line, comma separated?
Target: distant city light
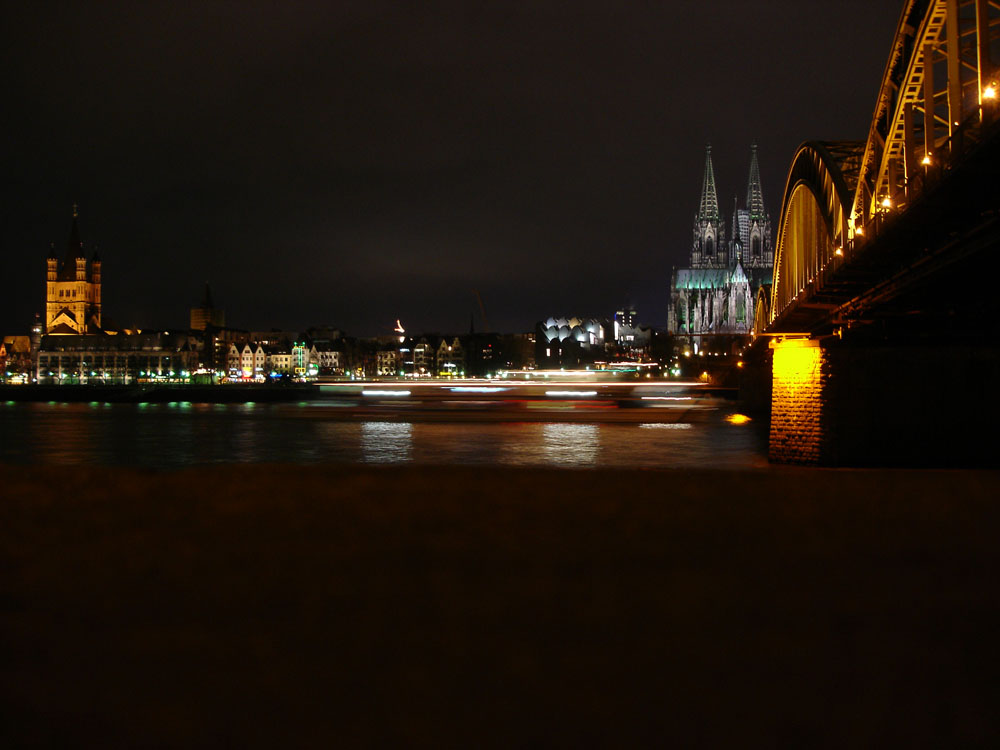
{"x": 571, "y": 394}
{"x": 385, "y": 393}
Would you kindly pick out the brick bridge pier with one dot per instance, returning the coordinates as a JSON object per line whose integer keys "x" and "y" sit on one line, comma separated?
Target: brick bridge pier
{"x": 841, "y": 403}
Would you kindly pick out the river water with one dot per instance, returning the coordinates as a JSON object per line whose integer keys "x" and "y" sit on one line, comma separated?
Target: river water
{"x": 182, "y": 434}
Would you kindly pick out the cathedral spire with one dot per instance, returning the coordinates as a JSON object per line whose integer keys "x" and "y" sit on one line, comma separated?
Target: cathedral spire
{"x": 708, "y": 209}
{"x": 755, "y": 196}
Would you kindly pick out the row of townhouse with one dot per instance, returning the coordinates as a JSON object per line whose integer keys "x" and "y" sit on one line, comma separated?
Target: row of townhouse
{"x": 438, "y": 356}
{"x": 254, "y": 360}
{"x": 244, "y": 355}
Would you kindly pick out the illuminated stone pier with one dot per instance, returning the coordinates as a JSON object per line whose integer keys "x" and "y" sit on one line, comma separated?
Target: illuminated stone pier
{"x": 797, "y": 393}
{"x": 848, "y": 403}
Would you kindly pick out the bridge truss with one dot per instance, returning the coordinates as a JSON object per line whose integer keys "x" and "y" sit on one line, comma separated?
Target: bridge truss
{"x": 937, "y": 101}
{"x": 938, "y": 92}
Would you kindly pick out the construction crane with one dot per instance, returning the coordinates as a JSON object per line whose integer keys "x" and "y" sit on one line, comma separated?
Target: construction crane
{"x": 482, "y": 311}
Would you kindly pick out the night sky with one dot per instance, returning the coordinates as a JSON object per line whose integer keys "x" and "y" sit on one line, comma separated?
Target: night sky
{"x": 348, "y": 163}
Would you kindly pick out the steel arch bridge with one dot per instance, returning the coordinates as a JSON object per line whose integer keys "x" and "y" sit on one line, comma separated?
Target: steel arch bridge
{"x": 935, "y": 111}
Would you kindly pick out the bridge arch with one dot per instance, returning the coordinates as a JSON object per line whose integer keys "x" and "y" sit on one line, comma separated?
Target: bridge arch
{"x": 815, "y": 210}
{"x": 762, "y": 310}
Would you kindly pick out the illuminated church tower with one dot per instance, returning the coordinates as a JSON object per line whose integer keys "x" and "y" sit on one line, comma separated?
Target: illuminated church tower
{"x": 73, "y": 289}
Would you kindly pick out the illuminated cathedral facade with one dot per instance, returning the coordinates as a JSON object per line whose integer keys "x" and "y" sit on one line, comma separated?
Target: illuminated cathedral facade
{"x": 715, "y": 293}
{"x": 73, "y": 289}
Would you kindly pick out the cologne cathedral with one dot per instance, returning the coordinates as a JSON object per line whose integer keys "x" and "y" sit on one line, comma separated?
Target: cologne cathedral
{"x": 716, "y": 293}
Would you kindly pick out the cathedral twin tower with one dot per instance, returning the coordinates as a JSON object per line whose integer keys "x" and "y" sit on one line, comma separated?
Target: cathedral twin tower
{"x": 715, "y": 294}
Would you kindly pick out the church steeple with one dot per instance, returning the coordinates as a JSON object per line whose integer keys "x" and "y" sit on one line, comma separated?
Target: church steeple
{"x": 755, "y": 196}
{"x": 74, "y": 251}
{"x": 709, "y": 247}
{"x": 708, "y": 208}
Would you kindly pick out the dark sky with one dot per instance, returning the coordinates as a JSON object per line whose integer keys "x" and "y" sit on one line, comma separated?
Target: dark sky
{"x": 354, "y": 162}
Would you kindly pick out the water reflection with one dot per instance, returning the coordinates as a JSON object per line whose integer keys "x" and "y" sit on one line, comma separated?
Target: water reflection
{"x": 63, "y": 437}
{"x": 386, "y": 442}
{"x": 162, "y": 435}
{"x": 570, "y": 444}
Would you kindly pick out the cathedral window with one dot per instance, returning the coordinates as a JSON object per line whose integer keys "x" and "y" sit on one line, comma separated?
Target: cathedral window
{"x": 755, "y": 246}
{"x": 708, "y": 246}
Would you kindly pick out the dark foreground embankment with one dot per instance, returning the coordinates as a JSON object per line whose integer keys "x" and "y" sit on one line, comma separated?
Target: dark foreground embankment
{"x": 283, "y": 607}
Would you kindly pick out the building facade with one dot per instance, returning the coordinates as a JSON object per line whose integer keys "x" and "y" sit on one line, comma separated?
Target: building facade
{"x": 569, "y": 342}
{"x": 121, "y": 359}
{"x": 715, "y": 293}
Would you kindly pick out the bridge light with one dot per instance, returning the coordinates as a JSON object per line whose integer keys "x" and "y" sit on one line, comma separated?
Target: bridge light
{"x": 990, "y": 92}
{"x": 886, "y": 203}
{"x": 839, "y": 252}
{"x": 859, "y": 231}
{"x": 926, "y": 161}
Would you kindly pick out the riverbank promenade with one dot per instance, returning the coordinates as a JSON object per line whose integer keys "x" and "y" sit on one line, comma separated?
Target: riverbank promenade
{"x": 270, "y": 606}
